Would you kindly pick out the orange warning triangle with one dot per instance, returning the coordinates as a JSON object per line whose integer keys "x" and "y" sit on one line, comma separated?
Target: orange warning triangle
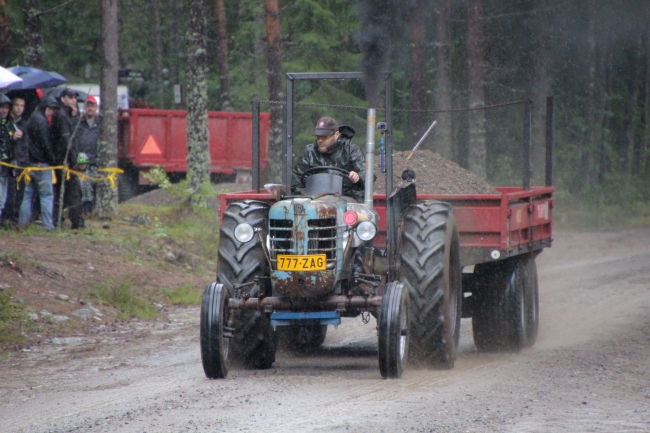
{"x": 150, "y": 147}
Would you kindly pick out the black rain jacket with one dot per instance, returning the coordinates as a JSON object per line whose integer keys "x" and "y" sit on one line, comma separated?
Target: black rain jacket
{"x": 344, "y": 154}
{"x": 39, "y": 137}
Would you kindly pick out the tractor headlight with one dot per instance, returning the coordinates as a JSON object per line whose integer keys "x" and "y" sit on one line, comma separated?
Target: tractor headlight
{"x": 244, "y": 232}
{"x": 366, "y": 230}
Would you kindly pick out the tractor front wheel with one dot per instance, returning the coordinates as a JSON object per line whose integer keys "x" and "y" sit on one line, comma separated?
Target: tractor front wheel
{"x": 215, "y": 334}
{"x": 393, "y": 331}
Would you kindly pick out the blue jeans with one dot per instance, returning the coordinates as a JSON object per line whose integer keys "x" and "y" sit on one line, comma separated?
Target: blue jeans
{"x": 3, "y": 192}
{"x": 43, "y": 181}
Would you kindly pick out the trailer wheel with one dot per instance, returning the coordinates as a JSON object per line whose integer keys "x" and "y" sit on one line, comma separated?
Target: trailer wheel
{"x": 431, "y": 271}
{"x": 393, "y": 331}
{"x": 215, "y": 335}
{"x": 531, "y": 303}
{"x": 253, "y": 343}
{"x": 500, "y": 319}
{"x": 303, "y": 338}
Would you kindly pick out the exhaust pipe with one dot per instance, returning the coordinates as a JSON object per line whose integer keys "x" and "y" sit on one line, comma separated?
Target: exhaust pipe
{"x": 370, "y": 159}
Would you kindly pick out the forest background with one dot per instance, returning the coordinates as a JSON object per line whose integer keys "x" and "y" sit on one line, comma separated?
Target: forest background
{"x": 592, "y": 55}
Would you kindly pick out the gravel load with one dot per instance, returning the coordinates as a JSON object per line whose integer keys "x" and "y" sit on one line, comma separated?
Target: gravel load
{"x": 434, "y": 175}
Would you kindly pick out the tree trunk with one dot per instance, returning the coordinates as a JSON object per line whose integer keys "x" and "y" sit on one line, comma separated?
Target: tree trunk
{"x": 477, "y": 151}
{"x": 157, "y": 48}
{"x": 632, "y": 104}
{"x": 107, "y": 144}
{"x": 418, "y": 69}
{"x": 275, "y": 88}
{"x": 605, "y": 115}
{"x": 198, "y": 154}
{"x": 444, "y": 142}
{"x": 542, "y": 87}
{"x": 594, "y": 133}
{"x": 33, "y": 51}
{"x": 5, "y": 42}
{"x": 643, "y": 143}
{"x": 222, "y": 55}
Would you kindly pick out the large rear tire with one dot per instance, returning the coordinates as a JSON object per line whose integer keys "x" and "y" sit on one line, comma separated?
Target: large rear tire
{"x": 302, "y": 338}
{"x": 431, "y": 271}
{"x": 215, "y": 335}
{"x": 253, "y": 344}
{"x": 500, "y": 320}
{"x": 393, "y": 331}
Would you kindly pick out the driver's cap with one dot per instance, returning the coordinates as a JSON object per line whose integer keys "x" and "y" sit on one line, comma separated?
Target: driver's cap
{"x": 326, "y": 126}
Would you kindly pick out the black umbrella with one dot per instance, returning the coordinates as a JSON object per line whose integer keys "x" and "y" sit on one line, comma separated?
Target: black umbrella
{"x": 34, "y": 78}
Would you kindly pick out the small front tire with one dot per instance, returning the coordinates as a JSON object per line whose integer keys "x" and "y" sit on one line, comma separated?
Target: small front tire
{"x": 215, "y": 334}
{"x": 394, "y": 323}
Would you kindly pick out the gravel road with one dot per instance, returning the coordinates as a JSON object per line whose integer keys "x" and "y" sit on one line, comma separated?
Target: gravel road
{"x": 588, "y": 372}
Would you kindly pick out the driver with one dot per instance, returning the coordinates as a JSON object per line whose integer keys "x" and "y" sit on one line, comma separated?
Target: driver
{"x": 334, "y": 149}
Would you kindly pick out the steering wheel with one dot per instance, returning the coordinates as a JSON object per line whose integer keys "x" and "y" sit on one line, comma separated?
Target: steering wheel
{"x": 338, "y": 171}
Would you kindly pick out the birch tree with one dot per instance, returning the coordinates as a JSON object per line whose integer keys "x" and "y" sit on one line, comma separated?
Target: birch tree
{"x": 33, "y": 51}
{"x": 198, "y": 154}
{"x": 107, "y": 143}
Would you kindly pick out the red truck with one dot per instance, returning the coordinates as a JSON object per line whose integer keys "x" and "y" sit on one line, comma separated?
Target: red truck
{"x": 150, "y": 137}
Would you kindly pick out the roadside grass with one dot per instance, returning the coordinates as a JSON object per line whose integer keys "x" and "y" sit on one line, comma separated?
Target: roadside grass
{"x": 13, "y": 319}
{"x": 122, "y": 296}
{"x": 186, "y": 294}
{"x": 573, "y": 215}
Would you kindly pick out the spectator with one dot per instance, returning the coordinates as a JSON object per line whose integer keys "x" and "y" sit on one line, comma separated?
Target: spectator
{"x": 65, "y": 152}
{"x": 86, "y": 141}
{"x": 40, "y": 154}
{"x": 6, "y": 154}
{"x": 16, "y": 126}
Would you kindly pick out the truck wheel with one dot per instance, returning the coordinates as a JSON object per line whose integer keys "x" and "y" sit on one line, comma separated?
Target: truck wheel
{"x": 500, "y": 320}
{"x": 253, "y": 342}
{"x": 303, "y": 338}
{"x": 393, "y": 331}
{"x": 215, "y": 335}
{"x": 531, "y": 294}
{"x": 431, "y": 271}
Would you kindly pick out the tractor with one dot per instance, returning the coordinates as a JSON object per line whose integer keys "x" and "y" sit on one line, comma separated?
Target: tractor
{"x": 290, "y": 265}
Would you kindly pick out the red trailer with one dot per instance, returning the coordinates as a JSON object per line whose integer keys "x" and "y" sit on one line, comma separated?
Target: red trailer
{"x": 491, "y": 227}
{"x": 150, "y": 137}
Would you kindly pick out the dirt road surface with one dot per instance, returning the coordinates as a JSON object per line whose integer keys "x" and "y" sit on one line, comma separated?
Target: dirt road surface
{"x": 588, "y": 372}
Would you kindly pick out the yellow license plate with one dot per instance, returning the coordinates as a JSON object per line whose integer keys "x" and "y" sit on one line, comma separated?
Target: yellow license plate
{"x": 316, "y": 262}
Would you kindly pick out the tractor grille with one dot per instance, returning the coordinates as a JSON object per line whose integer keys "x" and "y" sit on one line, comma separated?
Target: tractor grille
{"x": 322, "y": 237}
{"x": 280, "y": 237}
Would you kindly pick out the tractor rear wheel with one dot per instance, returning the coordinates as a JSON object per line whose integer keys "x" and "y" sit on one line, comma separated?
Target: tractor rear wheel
{"x": 253, "y": 343}
{"x": 500, "y": 320}
{"x": 431, "y": 271}
{"x": 393, "y": 331}
{"x": 215, "y": 335}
